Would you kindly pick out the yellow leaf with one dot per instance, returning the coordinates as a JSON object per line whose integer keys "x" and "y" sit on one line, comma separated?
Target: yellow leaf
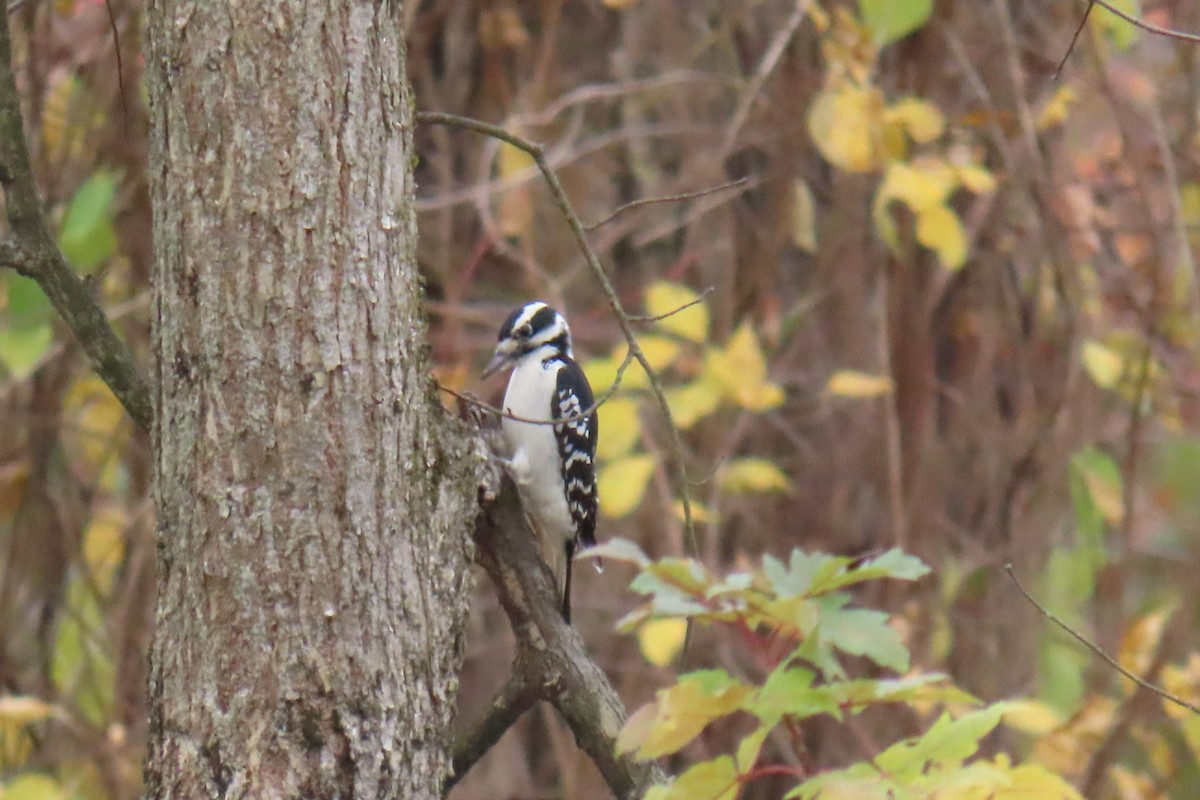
{"x": 658, "y": 350}
{"x": 104, "y": 547}
{"x": 622, "y": 484}
{"x": 661, "y": 640}
{"x": 98, "y": 429}
{"x": 693, "y": 402}
{"x": 25, "y": 710}
{"x": 920, "y": 185}
{"x": 1140, "y": 641}
{"x": 804, "y": 217}
{"x": 664, "y": 297}
{"x": 706, "y": 780}
{"x": 33, "y": 786}
{"x": 923, "y": 120}
{"x": 852, "y": 383}
{"x": 514, "y": 219}
{"x": 1032, "y": 782}
{"x": 1031, "y": 716}
{"x": 844, "y": 123}
{"x": 977, "y": 179}
{"x": 621, "y": 425}
{"x": 1104, "y": 364}
{"x": 637, "y": 728}
{"x": 1056, "y": 109}
{"x": 753, "y": 475}
{"x": 684, "y": 710}
{"x": 939, "y": 229}
{"x": 741, "y": 372}
{"x": 602, "y": 373}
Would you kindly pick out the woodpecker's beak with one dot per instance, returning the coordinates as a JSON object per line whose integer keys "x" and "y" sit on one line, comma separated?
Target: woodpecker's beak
{"x": 500, "y": 360}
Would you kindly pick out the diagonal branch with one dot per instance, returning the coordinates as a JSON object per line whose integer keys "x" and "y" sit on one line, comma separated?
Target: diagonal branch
{"x": 551, "y": 662}
{"x": 32, "y": 251}
{"x": 517, "y": 697}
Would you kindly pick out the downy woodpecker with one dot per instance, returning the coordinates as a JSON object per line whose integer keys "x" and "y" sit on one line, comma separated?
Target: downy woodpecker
{"x": 552, "y": 465}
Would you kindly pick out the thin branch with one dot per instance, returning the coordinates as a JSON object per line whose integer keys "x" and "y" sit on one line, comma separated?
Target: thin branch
{"x": 601, "y": 400}
{"x": 1112, "y": 662}
{"x": 587, "y": 412}
{"x": 1149, "y": 27}
{"x": 766, "y": 66}
{"x": 1087, "y": 12}
{"x": 537, "y": 152}
{"x": 33, "y": 252}
{"x": 517, "y": 697}
{"x": 674, "y": 311}
{"x": 1136, "y": 705}
{"x": 670, "y": 198}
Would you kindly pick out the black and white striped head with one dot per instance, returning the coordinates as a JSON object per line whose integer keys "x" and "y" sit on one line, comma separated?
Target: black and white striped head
{"x": 534, "y": 329}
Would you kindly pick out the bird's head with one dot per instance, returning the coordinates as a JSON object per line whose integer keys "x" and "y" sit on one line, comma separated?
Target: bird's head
{"x": 534, "y": 329}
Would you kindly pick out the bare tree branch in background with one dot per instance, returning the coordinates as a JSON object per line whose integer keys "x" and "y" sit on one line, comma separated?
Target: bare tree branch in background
{"x": 31, "y": 251}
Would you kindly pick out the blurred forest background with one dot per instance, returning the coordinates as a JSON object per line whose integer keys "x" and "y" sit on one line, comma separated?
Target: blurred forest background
{"x": 949, "y": 303}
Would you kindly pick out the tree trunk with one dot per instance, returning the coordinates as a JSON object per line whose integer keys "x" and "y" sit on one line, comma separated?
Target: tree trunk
{"x": 314, "y": 504}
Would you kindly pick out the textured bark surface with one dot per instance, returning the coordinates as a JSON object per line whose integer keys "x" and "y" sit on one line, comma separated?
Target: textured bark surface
{"x": 314, "y": 503}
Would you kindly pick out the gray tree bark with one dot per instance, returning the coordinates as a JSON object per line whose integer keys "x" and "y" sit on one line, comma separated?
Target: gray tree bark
{"x": 314, "y": 502}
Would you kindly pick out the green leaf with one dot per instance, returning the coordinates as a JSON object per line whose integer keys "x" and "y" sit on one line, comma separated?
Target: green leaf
{"x": 948, "y": 741}
{"x": 895, "y": 563}
{"x": 1122, "y": 33}
{"x": 894, "y": 19}
{"x": 789, "y": 691}
{"x": 864, "y": 632}
{"x": 804, "y": 569}
{"x": 1096, "y": 488}
{"x": 80, "y": 668}
{"x": 27, "y": 304}
{"x": 707, "y": 780}
{"x": 86, "y": 236}
{"x": 21, "y": 349}
{"x": 33, "y": 787}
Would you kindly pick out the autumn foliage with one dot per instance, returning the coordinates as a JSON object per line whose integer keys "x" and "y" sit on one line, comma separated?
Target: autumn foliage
{"x": 940, "y": 314}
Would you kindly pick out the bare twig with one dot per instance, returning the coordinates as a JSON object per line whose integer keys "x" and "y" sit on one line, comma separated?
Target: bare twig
{"x": 674, "y": 311}
{"x": 1087, "y": 12}
{"x": 32, "y": 251}
{"x": 1112, "y": 662}
{"x": 766, "y": 66}
{"x": 587, "y": 412}
{"x": 538, "y": 153}
{"x": 601, "y": 400}
{"x": 1137, "y": 704}
{"x": 1149, "y": 27}
{"x": 670, "y": 198}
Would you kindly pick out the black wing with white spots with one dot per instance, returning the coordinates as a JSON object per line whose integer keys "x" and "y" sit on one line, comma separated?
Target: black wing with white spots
{"x": 577, "y": 448}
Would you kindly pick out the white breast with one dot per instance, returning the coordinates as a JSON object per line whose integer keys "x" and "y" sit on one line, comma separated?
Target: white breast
{"x": 537, "y": 467}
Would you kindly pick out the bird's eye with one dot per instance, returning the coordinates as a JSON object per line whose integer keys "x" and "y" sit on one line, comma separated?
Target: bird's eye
{"x": 524, "y": 331}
